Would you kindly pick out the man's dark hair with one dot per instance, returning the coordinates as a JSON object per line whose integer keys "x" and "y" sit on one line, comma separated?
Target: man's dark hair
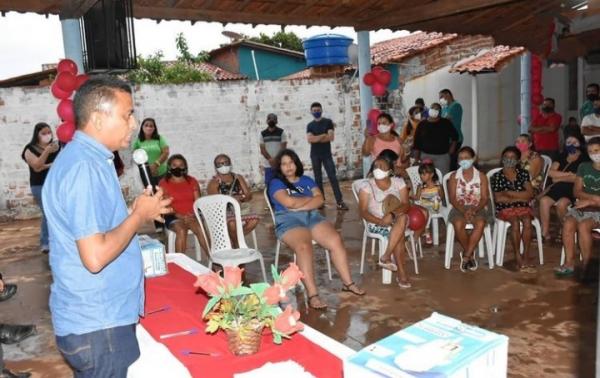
{"x": 316, "y": 104}
{"x": 420, "y": 101}
{"x": 93, "y": 93}
{"x": 447, "y": 91}
{"x": 594, "y": 85}
{"x": 551, "y": 100}
{"x": 594, "y": 140}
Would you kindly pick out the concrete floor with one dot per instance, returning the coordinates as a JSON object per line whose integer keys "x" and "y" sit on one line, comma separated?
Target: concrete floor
{"x": 551, "y": 323}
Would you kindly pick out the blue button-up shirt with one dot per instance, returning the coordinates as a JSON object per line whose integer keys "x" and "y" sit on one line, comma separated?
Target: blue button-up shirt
{"x": 82, "y": 197}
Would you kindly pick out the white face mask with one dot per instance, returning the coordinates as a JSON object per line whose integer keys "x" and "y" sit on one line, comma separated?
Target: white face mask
{"x": 46, "y": 138}
{"x": 466, "y": 164}
{"x": 433, "y": 113}
{"x": 417, "y": 116}
{"x": 443, "y": 101}
{"x": 383, "y": 128}
{"x": 224, "y": 169}
{"x": 595, "y": 158}
{"x": 380, "y": 174}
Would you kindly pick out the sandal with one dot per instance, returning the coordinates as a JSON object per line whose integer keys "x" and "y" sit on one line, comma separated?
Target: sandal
{"x": 563, "y": 271}
{"x": 387, "y": 265}
{"x": 405, "y": 284}
{"x": 323, "y": 305}
{"x": 352, "y": 288}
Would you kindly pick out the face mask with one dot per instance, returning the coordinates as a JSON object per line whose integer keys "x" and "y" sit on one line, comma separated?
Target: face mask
{"x": 417, "y": 116}
{"x": 466, "y": 164}
{"x": 272, "y": 123}
{"x": 522, "y": 146}
{"x": 224, "y": 169}
{"x": 597, "y": 111}
{"x": 383, "y": 128}
{"x": 178, "y": 172}
{"x": 443, "y": 101}
{"x": 595, "y": 158}
{"x": 571, "y": 149}
{"x": 547, "y": 109}
{"x": 509, "y": 163}
{"x": 47, "y": 138}
{"x": 317, "y": 114}
{"x": 380, "y": 174}
{"x": 591, "y": 97}
{"x": 434, "y": 113}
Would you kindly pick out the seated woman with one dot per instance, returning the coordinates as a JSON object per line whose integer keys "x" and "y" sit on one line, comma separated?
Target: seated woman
{"x": 184, "y": 190}
{"x": 562, "y": 174}
{"x": 391, "y": 225}
{"x": 234, "y": 185}
{"x": 512, "y": 194}
{"x": 531, "y": 161}
{"x": 469, "y": 195}
{"x": 582, "y": 219}
{"x": 295, "y": 199}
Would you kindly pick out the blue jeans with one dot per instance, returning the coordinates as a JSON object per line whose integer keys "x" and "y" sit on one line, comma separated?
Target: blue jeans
{"x": 36, "y": 190}
{"x": 268, "y": 175}
{"x": 105, "y": 353}
{"x": 327, "y": 162}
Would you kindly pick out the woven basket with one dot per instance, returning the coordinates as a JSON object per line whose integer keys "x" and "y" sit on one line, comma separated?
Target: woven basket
{"x": 244, "y": 341}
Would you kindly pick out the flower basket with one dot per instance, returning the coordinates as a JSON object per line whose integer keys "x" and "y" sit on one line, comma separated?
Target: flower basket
{"x": 244, "y": 311}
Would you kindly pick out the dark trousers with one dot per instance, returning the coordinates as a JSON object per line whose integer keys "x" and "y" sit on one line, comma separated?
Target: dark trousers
{"x": 101, "y": 354}
{"x": 327, "y": 162}
{"x": 454, "y": 158}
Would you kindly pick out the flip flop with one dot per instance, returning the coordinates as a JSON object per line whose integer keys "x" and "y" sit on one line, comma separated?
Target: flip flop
{"x": 404, "y": 284}
{"x": 388, "y": 265}
{"x": 323, "y": 307}
{"x": 563, "y": 271}
{"x": 352, "y": 288}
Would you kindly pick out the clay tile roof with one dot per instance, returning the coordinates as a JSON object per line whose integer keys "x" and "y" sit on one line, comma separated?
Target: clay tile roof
{"x": 398, "y": 49}
{"x": 490, "y": 61}
{"x": 218, "y": 73}
{"x": 304, "y": 74}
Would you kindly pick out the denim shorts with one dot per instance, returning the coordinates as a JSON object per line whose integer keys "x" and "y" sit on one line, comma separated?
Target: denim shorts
{"x": 286, "y": 220}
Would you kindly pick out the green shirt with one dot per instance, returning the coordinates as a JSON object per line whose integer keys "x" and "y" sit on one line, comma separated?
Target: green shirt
{"x": 153, "y": 148}
{"x": 586, "y": 108}
{"x": 591, "y": 178}
{"x": 454, "y": 113}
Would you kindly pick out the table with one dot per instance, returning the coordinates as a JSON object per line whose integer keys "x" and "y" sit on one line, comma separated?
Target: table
{"x": 157, "y": 361}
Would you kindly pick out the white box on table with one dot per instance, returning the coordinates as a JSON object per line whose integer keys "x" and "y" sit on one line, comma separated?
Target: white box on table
{"x": 153, "y": 254}
{"x": 439, "y": 346}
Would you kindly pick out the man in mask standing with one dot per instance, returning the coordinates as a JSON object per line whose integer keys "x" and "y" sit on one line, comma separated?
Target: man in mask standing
{"x": 590, "y": 125}
{"x": 592, "y": 91}
{"x": 453, "y": 111}
{"x": 272, "y": 140}
{"x": 320, "y": 134}
{"x": 545, "y": 129}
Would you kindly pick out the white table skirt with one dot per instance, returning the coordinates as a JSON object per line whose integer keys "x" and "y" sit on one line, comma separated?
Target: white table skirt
{"x": 157, "y": 361}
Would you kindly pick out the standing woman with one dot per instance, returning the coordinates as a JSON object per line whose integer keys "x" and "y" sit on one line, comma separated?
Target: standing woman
{"x": 158, "y": 152}
{"x": 407, "y": 137}
{"x": 39, "y": 154}
{"x": 531, "y": 161}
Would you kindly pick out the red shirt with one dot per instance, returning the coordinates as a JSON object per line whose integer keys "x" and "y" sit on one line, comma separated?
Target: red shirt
{"x": 182, "y": 193}
{"x": 547, "y": 141}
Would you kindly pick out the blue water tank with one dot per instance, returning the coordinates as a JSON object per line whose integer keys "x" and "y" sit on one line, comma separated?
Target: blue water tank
{"x": 326, "y": 49}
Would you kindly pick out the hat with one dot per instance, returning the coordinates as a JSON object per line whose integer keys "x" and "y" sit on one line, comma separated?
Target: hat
{"x": 272, "y": 116}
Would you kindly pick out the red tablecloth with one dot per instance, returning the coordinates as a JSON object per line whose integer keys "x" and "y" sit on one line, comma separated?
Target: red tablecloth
{"x": 175, "y": 289}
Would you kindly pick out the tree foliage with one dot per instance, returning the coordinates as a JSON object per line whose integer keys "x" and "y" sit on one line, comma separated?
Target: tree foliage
{"x": 281, "y": 39}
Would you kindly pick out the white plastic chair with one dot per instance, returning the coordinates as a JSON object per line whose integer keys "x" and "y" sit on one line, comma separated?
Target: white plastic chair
{"x": 434, "y": 217}
{"x": 171, "y": 243}
{"x": 501, "y": 229}
{"x": 562, "y": 251}
{"x": 450, "y": 233}
{"x": 213, "y": 210}
{"x": 382, "y": 241}
{"x": 278, "y": 247}
{"x": 546, "y": 169}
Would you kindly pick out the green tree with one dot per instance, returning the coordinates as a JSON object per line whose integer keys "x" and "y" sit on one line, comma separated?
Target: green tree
{"x": 184, "y": 51}
{"x": 281, "y": 39}
{"x": 153, "y": 70}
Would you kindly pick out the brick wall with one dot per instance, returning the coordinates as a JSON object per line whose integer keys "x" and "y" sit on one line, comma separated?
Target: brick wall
{"x": 199, "y": 121}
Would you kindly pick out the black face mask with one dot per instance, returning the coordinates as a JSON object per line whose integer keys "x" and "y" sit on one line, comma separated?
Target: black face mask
{"x": 178, "y": 172}
{"x": 272, "y": 123}
{"x": 547, "y": 109}
{"x": 592, "y": 97}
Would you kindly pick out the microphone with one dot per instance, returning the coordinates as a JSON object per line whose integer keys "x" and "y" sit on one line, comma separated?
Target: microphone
{"x": 140, "y": 157}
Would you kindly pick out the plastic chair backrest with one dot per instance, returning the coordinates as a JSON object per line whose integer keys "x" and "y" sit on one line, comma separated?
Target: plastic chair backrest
{"x": 415, "y": 178}
{"x": 213, "y": 210}
{"x": 445, "y": 186}
{"x": 489, "y": 176}
{"x": 355, "y": 189}
{"x": 546, "y": 169}
{"x": 268, "y": 201}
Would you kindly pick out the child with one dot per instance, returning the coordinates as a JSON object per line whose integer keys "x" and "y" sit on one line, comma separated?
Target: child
{"x": 430, "y": 193}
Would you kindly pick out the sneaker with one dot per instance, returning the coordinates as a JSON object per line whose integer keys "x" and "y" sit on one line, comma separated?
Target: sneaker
{"x": 464, "y": 264}
{"x": 473, "y": 265}
{"x": 428, "y": 238}
{"x": 342, "y": 206}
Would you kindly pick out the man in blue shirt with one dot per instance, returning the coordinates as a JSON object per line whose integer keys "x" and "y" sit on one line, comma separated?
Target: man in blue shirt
{"x": 320, "y": 134}
{"x": 452, "y": 110}
{"x": 97, "y": 290}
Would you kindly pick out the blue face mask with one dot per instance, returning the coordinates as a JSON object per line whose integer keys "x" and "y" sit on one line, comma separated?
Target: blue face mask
{"x": 317, "y": 114}
{"x": 571, "y": 149}
{"x": 466, "y": 164}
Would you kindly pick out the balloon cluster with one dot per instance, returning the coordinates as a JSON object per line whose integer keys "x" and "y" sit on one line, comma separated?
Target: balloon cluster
{"x": 378, "y": 79}
{"x": 67, "y": 81}
{"x": 536, "y": 85}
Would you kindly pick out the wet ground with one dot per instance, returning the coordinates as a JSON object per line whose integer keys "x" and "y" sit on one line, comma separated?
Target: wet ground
{"x": 551, "y": 323}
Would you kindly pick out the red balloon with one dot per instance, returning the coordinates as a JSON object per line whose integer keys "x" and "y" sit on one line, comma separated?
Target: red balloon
{"x": 65, "y": 110}
{"x": 66, "y": 81}
{"x": 378, "y": 89}
{"x": 80, "y": 79}
{"x": 536, "y": 76}
{"x": 537, "y": 99}
{"x": 369, "y": 79}
{"x": 384, "y": 77}
{"x": 65, "y": 132}
{"x": 59, "y": 93}
{"x": 416, "y": 218}
{"x": 67, "y": 65}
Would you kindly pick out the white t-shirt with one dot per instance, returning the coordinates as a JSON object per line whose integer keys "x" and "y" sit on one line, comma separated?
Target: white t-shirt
{"x": 591, "y": 120}
{"x": 376, "y": 195}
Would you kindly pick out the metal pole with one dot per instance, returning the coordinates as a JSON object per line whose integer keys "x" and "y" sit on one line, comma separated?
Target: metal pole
{"x": 474, "y": 113}
{"x": 255, "y": 66}
{"x": 366, "y": 97}
{"x": 525, "y": 92}
{"x": 71, "y": 34}
{"x": 580, "y": 87}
